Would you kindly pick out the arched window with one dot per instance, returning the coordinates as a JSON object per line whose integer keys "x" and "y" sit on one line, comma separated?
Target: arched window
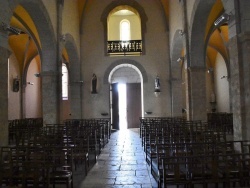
{"x": 124, "y": 30}
{"x": 65, "y": 80}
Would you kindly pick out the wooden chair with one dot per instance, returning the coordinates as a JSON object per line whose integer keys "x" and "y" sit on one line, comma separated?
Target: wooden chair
{"x": 174, "y": 171}
{"x": 61, "y": 167}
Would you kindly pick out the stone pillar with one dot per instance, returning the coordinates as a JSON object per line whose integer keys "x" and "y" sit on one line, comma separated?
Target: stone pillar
{"x": 197, "y": 93}
{"x": 4, "y": 96}
{"x": 176, "y": 97}
{"x": 239, "y": 48}
{"x": 50, "y": 97}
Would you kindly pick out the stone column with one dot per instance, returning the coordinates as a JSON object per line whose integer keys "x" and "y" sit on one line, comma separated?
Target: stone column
{"x": 239, "y": 48}
{"x": 50, "y": 97}
{"x": 176, "y": 97}
{"x": 197, "y": 93}
{"x": 4, "y": 96}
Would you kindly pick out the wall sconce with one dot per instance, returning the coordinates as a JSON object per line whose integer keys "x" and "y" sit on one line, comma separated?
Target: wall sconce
{"x": 180, "y": 59}
{"x": 181, "y": 32}
{"x": 37, "y": 75}
{"x": 63, "y": 38}
{"x": 210, "y": 70}
{"x": 223, "y": 77}
{"x": 222, "y": 19}
{"x": 30, "y": 83}
{"x": 157, "y": 91}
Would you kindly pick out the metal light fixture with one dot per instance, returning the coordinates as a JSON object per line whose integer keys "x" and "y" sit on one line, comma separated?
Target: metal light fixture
{"x": 222, "y": 19}
{"x": 37, "y": 75}
{"x": 210, "y": 70}
{"x": 180, "y": 59}
{"x": 223, "y": 77}
{"x": 30, "y": 83}
{"x": 11, "y": 29}
{"x": 181, "y": 32}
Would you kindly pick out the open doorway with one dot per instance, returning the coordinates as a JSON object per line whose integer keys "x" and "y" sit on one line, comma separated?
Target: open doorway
{"x": 122, "y": 93}
{"x": 125, "y": 96}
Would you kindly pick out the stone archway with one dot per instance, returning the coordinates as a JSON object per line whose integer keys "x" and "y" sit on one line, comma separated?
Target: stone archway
{"x": 48, "y": 56}
{"x": 196, "y": 60}
{"x": 126, "y": 106}
{"x": 75, "y": 77}
{"x": 125, "y": 61}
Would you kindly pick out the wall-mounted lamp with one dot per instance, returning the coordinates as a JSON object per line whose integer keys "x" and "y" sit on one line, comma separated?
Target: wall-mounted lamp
{"x": 222, "y": 19}
{"x": 157, "y": 91}
{"x": 181, "y": 32}
{"x": 223, "y": 77}
{"x": 37, "y": 75}
{"x": 180, "y": 59}
{"x": 11, "y": 29}
{"x": 210, "y": 70}
{"x": 63, "y": 38}
{"x": 30, "y": 83}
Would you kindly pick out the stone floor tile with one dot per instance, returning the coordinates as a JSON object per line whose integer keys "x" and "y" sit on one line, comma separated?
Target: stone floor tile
{"x": 121, "y": 164}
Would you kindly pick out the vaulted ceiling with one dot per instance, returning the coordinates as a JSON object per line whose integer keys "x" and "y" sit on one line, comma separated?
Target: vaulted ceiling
{"x": 26, "y": 45}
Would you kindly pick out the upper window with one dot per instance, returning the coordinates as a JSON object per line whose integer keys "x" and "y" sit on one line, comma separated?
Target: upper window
{"x": 65, "y": 80}
{"x": 124, "y": 30}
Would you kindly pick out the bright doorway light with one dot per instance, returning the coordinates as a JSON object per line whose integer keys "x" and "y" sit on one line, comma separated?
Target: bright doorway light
{"x": 122, "y": 106}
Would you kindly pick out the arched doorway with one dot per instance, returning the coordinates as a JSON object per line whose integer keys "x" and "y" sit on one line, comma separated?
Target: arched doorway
{"x": 125, "y": 96}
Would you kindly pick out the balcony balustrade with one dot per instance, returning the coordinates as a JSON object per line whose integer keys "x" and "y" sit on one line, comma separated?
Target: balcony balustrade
{"x": 129, "y": 47}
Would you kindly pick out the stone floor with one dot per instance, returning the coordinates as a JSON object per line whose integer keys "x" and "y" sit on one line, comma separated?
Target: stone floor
{"x": 121, "y": 164}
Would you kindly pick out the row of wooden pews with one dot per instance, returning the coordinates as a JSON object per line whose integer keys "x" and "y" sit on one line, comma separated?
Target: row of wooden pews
{"x": 187, "y": 153}
{"x": 41, "y": 156}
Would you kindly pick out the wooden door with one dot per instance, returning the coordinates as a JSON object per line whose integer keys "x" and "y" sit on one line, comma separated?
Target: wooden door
{"x": 133, "y": 104}
{"x": 115, "y": 106}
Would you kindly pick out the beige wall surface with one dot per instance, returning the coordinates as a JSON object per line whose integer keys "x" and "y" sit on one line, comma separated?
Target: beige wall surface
{"x": 155, "y": 61}
{"x": 114, "y": 29}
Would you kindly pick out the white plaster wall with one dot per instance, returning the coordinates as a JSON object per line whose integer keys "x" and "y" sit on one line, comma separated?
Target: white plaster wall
{"x": 14, "y": 110}
{"x": 221, "y": 85}
{"x": 33, "y": 104}
{"x": 155, "y": 61}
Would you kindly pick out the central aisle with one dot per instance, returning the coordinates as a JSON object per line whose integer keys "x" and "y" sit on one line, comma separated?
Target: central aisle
{"x": 121, "y": 164}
